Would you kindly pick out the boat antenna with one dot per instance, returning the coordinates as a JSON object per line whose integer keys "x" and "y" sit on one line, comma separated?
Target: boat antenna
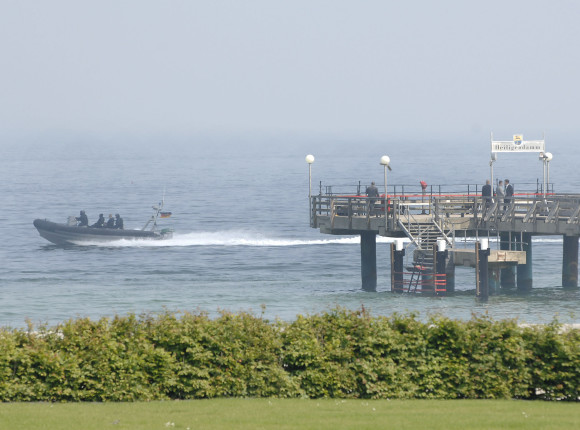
{"x": 155, "y": 215}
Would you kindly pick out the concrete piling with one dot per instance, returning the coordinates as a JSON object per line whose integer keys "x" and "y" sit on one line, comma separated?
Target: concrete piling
{"x": 570, "y": 262}
{"x": 397, "y": 266}
{"x": 368, "y": 258}
{"x": 493, "y": 278}
{"x": 450, "y": 277}
{"x": 508, "y": 274}
{"x": 481, "y": 254}
{"x": 441, "y": 254}
{"x": 524, "y": 271}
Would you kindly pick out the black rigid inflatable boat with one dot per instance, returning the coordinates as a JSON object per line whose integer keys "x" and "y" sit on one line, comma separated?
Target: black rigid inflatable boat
{"x": 72, "y": 234}
{"x": 63, "y": 234}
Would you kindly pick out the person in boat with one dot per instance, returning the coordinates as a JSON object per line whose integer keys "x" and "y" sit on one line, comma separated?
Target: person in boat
{"x": 118, "y": 222}
{"x": 110, "y": 222}
{"x": 100, "y": 222}
{"x": 83, "y": 219}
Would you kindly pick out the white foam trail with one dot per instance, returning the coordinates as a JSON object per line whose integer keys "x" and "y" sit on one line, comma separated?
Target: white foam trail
{"x": 231, "y": 238}
{"x": 247, "y": 238}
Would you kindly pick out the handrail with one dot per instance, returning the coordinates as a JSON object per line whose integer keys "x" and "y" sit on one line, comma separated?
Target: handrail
{"x": 358, "y": 189}
{"x": 529, "y": 207}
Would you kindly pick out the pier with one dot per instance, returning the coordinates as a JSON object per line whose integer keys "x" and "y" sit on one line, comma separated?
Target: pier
{"x": 433, "y": 218}
{"x": 426, "y": 216}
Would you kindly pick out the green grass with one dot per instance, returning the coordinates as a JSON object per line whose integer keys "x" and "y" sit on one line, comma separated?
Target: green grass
{"x": 293, "y": 414}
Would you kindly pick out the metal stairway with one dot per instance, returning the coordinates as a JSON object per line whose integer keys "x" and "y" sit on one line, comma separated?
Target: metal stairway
{"x": 423, "y": 236}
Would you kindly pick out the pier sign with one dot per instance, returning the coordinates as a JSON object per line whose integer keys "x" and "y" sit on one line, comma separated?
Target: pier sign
{"x": 518, "y": 144}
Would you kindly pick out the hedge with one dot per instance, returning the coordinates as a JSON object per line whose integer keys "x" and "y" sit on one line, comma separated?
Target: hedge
{"x": 339, "y": 354}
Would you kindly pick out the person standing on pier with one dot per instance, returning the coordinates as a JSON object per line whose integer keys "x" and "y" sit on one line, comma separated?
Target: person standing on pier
{"x": 500, "y": 193}
{"x": 486, "y": 195}
{"x": 373, "y": 193}
{"x": 509, "y": 194}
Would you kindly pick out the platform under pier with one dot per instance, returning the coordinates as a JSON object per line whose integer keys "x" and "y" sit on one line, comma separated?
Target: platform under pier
{"x": 570, "y": 262}
{"x": 497, "y": 260}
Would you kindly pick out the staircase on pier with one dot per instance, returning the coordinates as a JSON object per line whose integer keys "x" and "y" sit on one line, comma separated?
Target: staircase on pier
{"x": 423, "y": 232}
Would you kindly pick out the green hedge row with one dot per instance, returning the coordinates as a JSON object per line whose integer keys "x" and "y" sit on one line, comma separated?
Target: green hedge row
{"x": 340, "y": 353}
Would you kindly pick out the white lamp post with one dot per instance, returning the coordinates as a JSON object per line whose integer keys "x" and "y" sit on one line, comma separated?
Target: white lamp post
{"x": 543, "y": 160}
{"x": 385, "y": 161}
{"x": 310, "y": 160}
{"x": 491, "y": 161}
{"x": 546, "y": 157}
{"x": 549, "y": 157}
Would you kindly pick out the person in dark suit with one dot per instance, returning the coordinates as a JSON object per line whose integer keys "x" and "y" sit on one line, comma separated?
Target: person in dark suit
{"x": 509, "y": 194}
{"x": 373, "y": 193}
{"x": 486, "y": 195}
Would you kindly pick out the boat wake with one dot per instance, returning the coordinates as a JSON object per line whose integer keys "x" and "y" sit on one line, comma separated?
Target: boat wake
{"x": 255, "y": 239}
{"x": 230, "y": 238}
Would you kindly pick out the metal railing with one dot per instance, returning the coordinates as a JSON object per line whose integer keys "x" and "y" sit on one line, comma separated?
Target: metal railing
{"x": 359, "y": 189}
{"x": 448, "y": 204}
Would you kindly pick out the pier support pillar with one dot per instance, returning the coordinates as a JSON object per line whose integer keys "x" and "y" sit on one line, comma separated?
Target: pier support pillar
{"x": 524, "y": 271}
{"x": 570, "y": 262}
{"x": 440, "y": 265}
{"x": 482, "y": 273}
{"x": 508, "y": 274}
{"x": 368, "y": 260}
{"x": 493, "y": 277}
{"x": 450, "y": 273}
{"x": 450, "y": 277}
{"x": 397, "y": 266}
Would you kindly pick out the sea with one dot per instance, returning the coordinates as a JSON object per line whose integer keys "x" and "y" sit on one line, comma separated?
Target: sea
{"x": 242, "y": 240}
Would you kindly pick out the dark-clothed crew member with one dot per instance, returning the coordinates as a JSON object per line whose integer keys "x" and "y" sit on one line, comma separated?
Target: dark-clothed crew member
{"x": 100, "y": 222}
{"x": 83, "y": 219}
{"x": 118, "y": 222}
{"x": 111, "y": 222}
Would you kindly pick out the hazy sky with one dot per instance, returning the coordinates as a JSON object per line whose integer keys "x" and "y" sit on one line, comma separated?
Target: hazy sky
{"x": 370, "y": 68}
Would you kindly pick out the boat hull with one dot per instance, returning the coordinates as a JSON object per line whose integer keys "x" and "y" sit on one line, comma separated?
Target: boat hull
{"x": 62, "y": 234}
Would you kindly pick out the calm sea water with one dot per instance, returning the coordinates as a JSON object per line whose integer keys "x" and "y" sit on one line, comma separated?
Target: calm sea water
{"x": 242, "y": 239}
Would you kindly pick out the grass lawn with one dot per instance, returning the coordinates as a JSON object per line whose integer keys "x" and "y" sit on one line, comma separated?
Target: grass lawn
{"x": 293, "y": 414}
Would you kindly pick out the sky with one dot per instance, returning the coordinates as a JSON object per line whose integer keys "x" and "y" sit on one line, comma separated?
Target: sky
{"x": 354, "y": 69}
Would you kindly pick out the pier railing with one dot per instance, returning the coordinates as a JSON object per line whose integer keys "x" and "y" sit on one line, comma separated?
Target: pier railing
{"x": 449, "y": 206}
{"x": 429, "y": 190}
